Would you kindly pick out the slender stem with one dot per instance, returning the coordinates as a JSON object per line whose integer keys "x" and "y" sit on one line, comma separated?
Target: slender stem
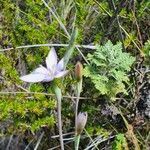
{"x": 118, "y": 23}
{"x": 79, "y": 88}
{"x": 47, "y": 45}
{"x": 72, "y": 37}
{"x": 138, "y": 28}
{"x": 59, "y": 96}
{"x": 57, "y": 18}
{"x": 77, "y": 137}
{"x": 132, "y": 40}
{"x": 130, "y": 132}
{"x": 76, "y": 112}
{"x": 77, "y": 141}
{"x": 98, "y": 3}
{"x": 40, "y": 93}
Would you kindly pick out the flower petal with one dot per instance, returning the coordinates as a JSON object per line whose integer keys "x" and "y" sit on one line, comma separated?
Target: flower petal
{"x": 51, "y": 60}
{"x": 33, "y": 77}
{"x": 48, "y": 78}
{"x": 61, "y": 74}
{"x": 41, "y": 70}
{"x": 60, "y": 65}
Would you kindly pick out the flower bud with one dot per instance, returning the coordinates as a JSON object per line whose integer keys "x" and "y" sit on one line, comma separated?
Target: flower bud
{"x": 81, "y": 122}
{"x": 78, "y": 71}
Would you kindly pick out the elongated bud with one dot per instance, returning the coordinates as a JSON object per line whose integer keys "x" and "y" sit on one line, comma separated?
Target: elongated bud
{"x": 78, "y": 71}
{"x": 81, "y": 122}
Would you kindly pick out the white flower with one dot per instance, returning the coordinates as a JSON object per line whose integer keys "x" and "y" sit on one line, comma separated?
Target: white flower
{"x": 52, "y": 70}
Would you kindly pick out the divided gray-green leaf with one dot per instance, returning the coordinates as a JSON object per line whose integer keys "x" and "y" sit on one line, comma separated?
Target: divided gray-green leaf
{"x": 108, "y": 69}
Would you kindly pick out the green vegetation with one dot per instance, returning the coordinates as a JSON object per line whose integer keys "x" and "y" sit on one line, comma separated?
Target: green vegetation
{"x": 108, "y": 67}
{"x": 120, "y": 143}
{"x": 112, "y": 43}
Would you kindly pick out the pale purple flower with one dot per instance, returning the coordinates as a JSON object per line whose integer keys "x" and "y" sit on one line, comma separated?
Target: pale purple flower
{"x": 51, "y": 71}
{"x": 81, "y": 122}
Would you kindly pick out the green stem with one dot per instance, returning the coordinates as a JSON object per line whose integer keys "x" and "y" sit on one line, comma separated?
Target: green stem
{"x": 79, "y": 88}
{"x": 77, "y": 137}
{"x": 59, "y": 96}
{"x": 76, "y": 113}
{"x": 77, "y": 141}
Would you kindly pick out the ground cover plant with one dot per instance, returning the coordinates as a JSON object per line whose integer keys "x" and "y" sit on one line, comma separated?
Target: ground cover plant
{"x": 96, "y": 96}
